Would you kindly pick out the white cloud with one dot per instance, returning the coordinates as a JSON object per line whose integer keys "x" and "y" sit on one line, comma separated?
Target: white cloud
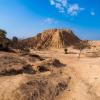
{"x": 92, "y": 13}
{"x": 63, "y": 2}
{"x": 59, "y": 4}
{"x": 52, "y": 2}
{"x": 74, "y": 9}
{"x": 49, "y": 21}
{"x": 65, "y": 7}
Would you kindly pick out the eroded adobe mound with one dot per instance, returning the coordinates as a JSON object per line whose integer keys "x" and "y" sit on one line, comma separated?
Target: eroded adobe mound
{"x": 53, "y": 38}
{"x": 56, "y": 38}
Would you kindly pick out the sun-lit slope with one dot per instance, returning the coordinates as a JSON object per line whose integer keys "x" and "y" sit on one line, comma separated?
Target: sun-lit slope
{"x": 53, "y": 38}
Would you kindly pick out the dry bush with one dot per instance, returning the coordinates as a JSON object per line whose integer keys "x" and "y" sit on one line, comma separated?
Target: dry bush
{"x": 27, "y": 87}
{"x": 53, "y": 62}
{"x": 81, "y": 46}
{"x": 66, "y": 51}
{"x": 31, "y": 57}
{"x": 10, "y": 65}
{"x": 42, "y": 68}
{"x": 49, "y": 65}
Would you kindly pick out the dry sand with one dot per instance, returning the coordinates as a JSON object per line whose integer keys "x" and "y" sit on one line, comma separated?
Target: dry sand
{"x": 84, "y": 75}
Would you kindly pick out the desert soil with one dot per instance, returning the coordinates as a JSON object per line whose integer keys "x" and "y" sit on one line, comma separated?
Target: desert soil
{"x": 84, "y": 74}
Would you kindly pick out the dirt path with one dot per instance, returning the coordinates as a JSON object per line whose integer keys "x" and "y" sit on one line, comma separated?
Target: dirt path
{"x": 85, "y": 83}
{"x": 84, "y": 73}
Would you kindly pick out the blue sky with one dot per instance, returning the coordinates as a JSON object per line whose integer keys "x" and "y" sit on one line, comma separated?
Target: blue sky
{"x": 25, "y": 18}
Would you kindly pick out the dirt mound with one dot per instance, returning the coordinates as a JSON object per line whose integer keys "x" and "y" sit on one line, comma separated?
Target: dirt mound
{"x": 56, "y": 38}
{"x": 30, "y": 57}
{"x": 10, "y": 65}
{"x": 52, "y": 62}
{"x": 49, "y": 65}
{"x": 53, "y": 39}
{"x": 28, "y": 87}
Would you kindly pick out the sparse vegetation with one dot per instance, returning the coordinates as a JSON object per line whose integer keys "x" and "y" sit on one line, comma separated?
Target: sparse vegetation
{"x": 66, "y": 51}
{"x": 4, "y": 42}
{"x": 10, "y": 65}
{"x": 25, "y": 50}
{"x": 81, "y": 46}
{"x": 15, "y": 42}
{"x": 2, "y": 33}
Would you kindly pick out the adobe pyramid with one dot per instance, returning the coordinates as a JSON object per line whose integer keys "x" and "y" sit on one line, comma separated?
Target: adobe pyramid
{"x": 56, "y": 38}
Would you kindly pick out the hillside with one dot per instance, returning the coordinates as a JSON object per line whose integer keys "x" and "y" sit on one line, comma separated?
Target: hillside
{"x": 53, "y": 38}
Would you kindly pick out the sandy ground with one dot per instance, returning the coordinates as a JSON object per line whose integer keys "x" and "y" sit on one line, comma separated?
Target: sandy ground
{"x": 84, "y": 73}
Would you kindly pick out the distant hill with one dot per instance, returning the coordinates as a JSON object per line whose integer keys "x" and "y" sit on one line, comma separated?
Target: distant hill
{"x": 53, "y": 38}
